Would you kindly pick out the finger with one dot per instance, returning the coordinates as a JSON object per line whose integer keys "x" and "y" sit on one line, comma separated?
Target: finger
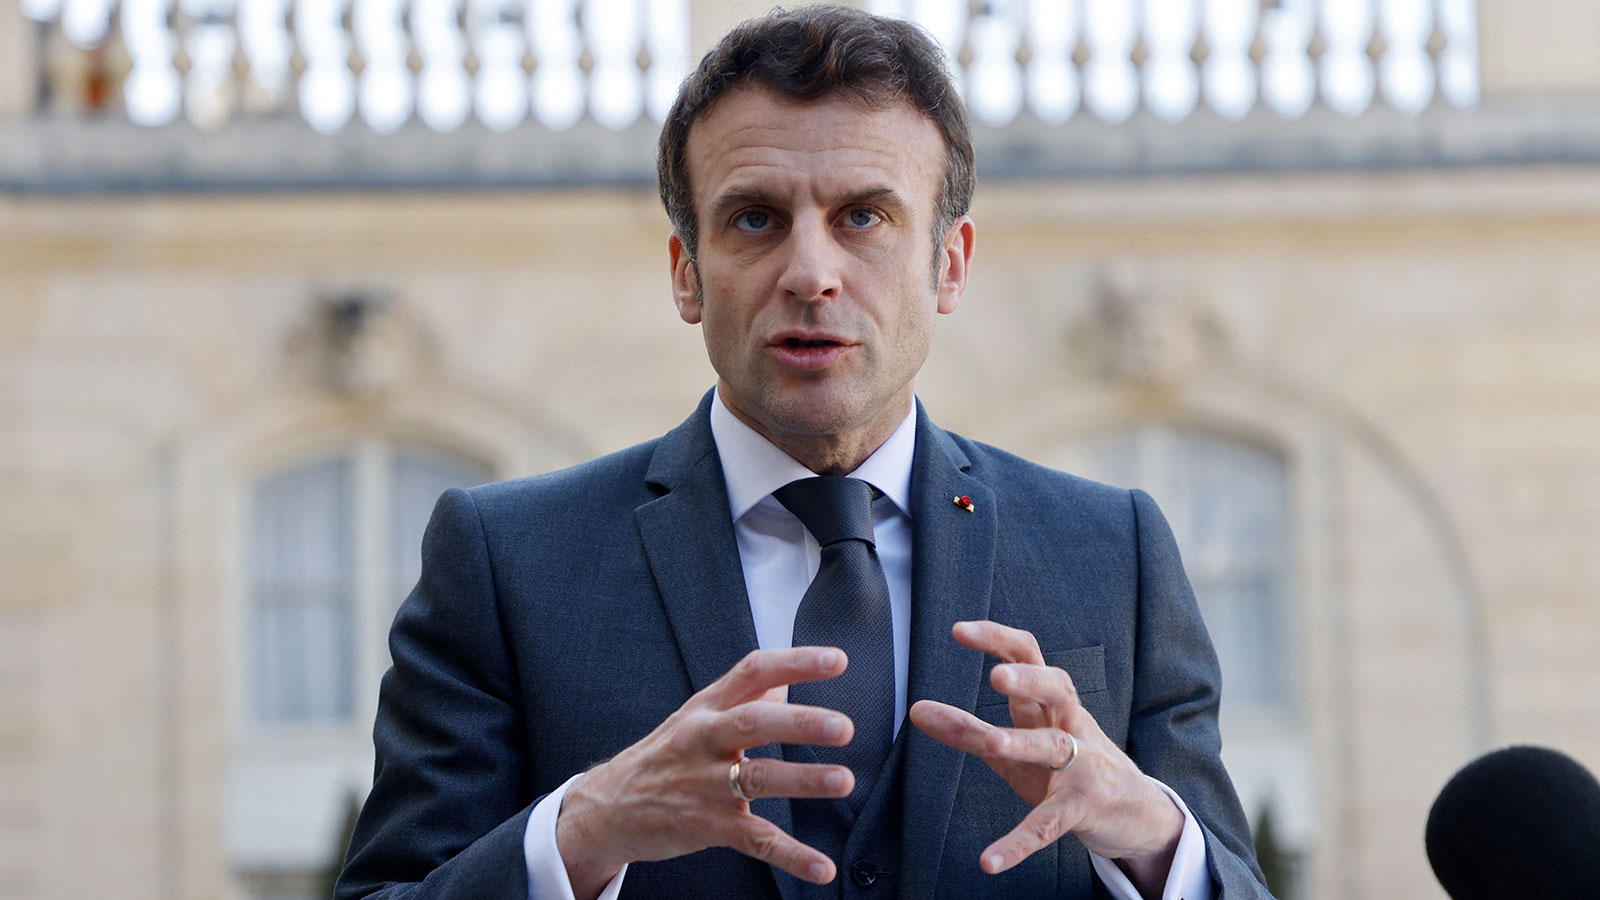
{"x": 1046, "y": 685}
{"x": 762, "y": 670}
{"x": 1013, "y": 645}
{"x": 952, "y": 727}
{"x": 1048, "y": 747}
{"x": 962, "y": 730}
{"x": 1043, "y": 826}
{"x": 756, "y": 837}
{"x": 763, "y": 721}
{"x": 776, "y": 778}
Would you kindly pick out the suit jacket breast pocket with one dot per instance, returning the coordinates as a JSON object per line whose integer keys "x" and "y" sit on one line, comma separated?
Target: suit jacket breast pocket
{"x": 1086, "y": 666}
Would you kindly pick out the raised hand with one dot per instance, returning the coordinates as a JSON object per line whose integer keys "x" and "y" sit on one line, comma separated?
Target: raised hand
{"x": 670, "y": 793}
{"x": 1058, "y": 760}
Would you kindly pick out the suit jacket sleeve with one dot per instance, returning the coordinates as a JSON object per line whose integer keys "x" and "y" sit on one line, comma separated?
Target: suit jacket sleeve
{"x": 1173, "y": 733}
{"x": 449, "y": 801}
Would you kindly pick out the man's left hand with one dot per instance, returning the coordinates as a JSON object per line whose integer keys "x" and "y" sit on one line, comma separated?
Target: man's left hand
{"x": 1102, "y": 797}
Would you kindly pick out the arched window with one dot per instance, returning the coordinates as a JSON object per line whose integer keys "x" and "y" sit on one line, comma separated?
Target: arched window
{"x": 302, "y": 594}
{"x": 331, "y": 547}
{"x": 333, "y": 544}
{"x": 1227, "y": 502}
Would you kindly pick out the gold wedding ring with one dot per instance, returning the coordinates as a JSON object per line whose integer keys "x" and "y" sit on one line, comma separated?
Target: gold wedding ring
{"x": 738, "y": 790}
{"x": 1072, "y": 757}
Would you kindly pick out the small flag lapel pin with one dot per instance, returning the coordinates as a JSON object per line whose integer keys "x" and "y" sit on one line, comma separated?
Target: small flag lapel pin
{"x": 965, "y": 503}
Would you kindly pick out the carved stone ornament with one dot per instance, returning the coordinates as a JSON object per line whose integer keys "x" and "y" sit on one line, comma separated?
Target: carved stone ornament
{"x": 1141, "y": 330}
{"x": 360, "y": 343}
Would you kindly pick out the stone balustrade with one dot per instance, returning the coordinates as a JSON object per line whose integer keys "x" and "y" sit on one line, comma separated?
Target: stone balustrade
{"x": 551, "y": 63}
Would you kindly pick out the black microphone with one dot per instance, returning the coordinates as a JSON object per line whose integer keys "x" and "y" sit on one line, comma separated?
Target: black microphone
{"x": 1523, "y": 822}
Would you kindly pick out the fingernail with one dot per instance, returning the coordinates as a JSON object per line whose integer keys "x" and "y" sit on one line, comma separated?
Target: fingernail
{"x": 996, "y": 861}
{"x": 818, "y": 872}
{"x": 1006, "y": 676}
{"x": 834, "y": 780}
{"x": 1005, "y": 741}
{"x": 832, "y": 728}
{"x": 827, "y": 659}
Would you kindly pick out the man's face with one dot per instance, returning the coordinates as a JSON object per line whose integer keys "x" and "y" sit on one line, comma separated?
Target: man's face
{"x": 816, "y": 279}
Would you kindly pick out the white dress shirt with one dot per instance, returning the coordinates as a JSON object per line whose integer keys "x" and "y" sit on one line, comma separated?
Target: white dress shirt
{"x": 779, "y": 558}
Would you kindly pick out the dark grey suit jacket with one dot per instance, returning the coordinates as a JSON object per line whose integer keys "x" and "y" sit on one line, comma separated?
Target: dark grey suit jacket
{"x": 562, "y": 617}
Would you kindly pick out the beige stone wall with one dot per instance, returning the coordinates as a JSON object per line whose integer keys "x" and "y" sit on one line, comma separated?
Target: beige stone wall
{"x": 1420, "y": 348}
{"x": 1556, "y": 51}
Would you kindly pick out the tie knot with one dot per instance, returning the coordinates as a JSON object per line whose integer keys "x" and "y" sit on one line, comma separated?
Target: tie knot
{"x": 833, "y": 509}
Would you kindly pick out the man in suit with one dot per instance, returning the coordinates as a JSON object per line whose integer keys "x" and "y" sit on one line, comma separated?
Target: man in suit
{"x": 626, "y": 679}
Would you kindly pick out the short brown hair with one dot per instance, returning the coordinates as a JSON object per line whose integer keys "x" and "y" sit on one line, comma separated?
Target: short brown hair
{"x": 814, "y": 53}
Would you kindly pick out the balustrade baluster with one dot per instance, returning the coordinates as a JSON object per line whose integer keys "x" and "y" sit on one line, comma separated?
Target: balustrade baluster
{"x": 947, "y": 21}
{"x": 616, "y": 86}
{"x": 41, "y": 10}
{"x": 1111, "y": 82}
{"x": 1346, "y": 71}
{"x": 557, "y": 47}
{"x": 264, "y": 38}
{"x": 209, "y": 41}
{"x": 1405, "y": 72}
{"x": 1054, "y": 88}
{"x": 326, "y": 89}
{"x": 500, "y": 94}
{"x": 1171, "y": 85}
{"x": 85, "y": 22}
{"x": 444, "y": 93}
{"x": 153, "y": 93}
{"x": 386, "y": 93}
{"x": 1288, "y": 71}
{"x": 667, "y": 44}
{"x": 1227, "y": 72}
{"x": 1458, "y": 61}
{"x": 995, "y": 79}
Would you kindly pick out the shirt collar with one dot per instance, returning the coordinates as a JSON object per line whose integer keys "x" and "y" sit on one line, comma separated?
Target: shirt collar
{"x": 754, "y": 467}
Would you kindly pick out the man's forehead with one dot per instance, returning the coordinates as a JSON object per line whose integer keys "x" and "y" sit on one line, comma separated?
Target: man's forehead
{"x": 755, "y": 138}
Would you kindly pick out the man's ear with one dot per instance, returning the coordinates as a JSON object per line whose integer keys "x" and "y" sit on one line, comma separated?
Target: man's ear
{"x": 955, "y": 255}
{"x": 685, "y": 281}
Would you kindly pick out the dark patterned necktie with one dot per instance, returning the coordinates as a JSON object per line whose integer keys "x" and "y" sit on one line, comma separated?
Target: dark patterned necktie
{"x": 847, "y": 606}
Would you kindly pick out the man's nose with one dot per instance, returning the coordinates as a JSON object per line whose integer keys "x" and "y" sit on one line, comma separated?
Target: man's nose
{"x": 812, "y": 269}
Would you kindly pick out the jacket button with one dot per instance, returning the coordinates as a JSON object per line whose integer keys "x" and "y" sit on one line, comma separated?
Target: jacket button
{"x": 863, "y": 873}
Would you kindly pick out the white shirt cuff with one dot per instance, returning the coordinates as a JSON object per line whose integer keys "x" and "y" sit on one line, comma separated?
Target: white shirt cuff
{"x": 1188, "y": 879}
{"x": 547, "y": 874}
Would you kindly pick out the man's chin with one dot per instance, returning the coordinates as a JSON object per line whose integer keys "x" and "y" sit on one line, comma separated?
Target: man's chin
{"x": 823, "y": 414}
{"x": 811, "y": 409}
{"x": 807, "y": 414}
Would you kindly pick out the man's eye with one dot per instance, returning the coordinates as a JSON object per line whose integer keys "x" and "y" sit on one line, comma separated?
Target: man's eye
{"x": 752, "y": 220}
{"x": 862, "y": 217}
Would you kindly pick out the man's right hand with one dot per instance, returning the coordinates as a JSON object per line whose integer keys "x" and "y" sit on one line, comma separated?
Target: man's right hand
{"x": 668, "y": 794}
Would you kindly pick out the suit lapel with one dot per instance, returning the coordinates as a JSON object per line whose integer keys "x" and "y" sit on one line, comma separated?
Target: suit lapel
{"x": 688, "y": 539}
{"x": 952, "y": 569}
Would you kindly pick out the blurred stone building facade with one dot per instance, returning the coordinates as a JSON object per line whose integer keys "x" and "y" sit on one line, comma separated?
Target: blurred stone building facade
{"x": 1353, "y": 351}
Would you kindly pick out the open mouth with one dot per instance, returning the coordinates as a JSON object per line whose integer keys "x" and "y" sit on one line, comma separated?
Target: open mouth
{"x": 809, "y": 353}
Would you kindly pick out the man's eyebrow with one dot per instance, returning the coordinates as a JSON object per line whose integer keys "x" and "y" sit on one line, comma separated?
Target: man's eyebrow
{"x": 880, "y": 195}
{"x": 734, "y": 198}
